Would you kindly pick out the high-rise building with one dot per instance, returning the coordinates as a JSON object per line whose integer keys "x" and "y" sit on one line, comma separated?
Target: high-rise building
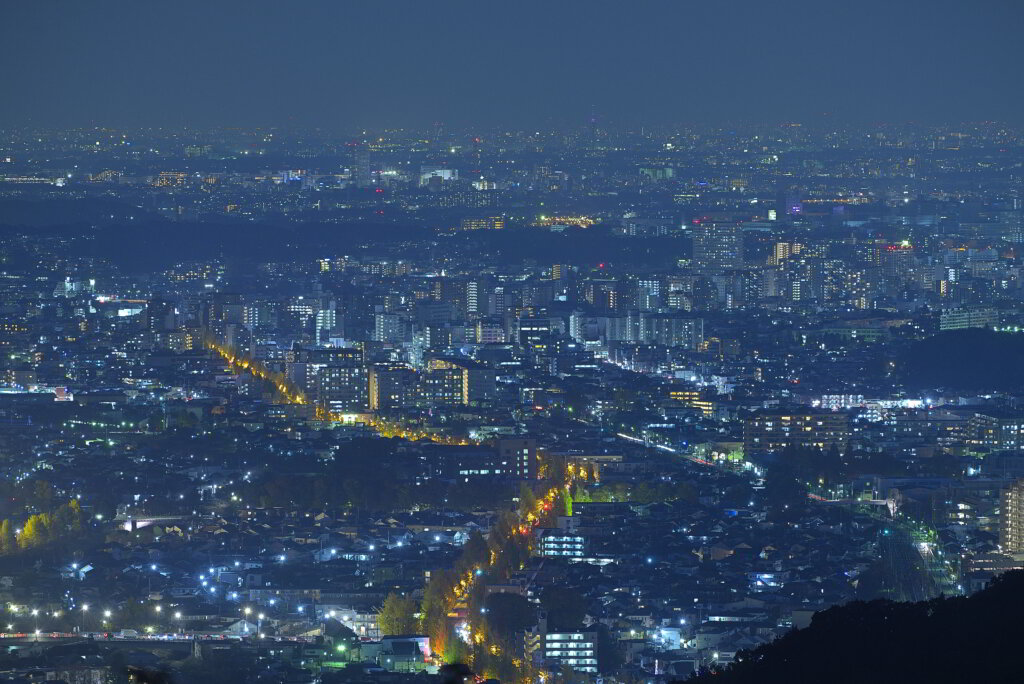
{"x": 997, "y": 429}
{"x": 341, "y": 389}
{"x": 361, "y": 172}
{"x": 326, "y": 322}
{"x": 392, "y": 386}
{"x": 388, "y": 327}
{"x": 561, "y": 544}
{"x": 782, "y": 251}
{"x": 574, "y": 650}
{"x": 458, "y": 381}
{"x": 672, "y": 330}
{"x": 442, "y": 386}
{"x": 160, "y": 315}
{"x": 474, "y": 296}
{"x": 716, "y": 246}
{"x": 489, "y": 332}
{"x": 895, "y": 260}
{"x": 1011, "y": 518}
{"x": 532, "y": 330}
{"x": 520, "y": 454}
{"x": 334, "y": 378}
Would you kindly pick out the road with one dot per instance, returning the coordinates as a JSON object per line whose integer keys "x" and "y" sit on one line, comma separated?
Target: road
{"x": 103, "y": 638}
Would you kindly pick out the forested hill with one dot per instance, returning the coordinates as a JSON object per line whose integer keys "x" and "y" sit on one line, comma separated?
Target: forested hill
{"x": 974, "y": 639}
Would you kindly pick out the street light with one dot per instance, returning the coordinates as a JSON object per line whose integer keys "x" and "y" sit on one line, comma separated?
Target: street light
{"x": 85, "y": 609}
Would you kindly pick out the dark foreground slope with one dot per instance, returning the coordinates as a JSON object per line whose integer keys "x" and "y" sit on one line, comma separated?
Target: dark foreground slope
{"x": 974, "y": 639}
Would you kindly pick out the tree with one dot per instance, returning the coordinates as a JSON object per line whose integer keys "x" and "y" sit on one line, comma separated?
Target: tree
{"x": 901, "y": 638}
{"x": 67, "y": 519}
{"x": 8, "y": 542}
{"x": 610, "y": 656}
{"x": 563, "y": 503}
{"x": 783, "y": 493}
{"x": 397, "y": 615}
{"x": 552, "y": 466}
{"x": 437, "y": 599}
{"x": 509, "y": 613}
{"x": 43, "y": 493}
{"x": 581, "y": 495}
{"x": 527, "y": 500}
{"x": 945, "y": 464}
{"x": 455, "y": 673}
{"x": 49, "y": 531}
{"x": 738, "y": 494}
{"x": 832, "y": 465}
{"x": 77, "y": 517}
{"x": 455, "y": 649}
{"x": 474, "y": 551}
{"x": 33, "y": 533}
{"x": 566, "y": 607}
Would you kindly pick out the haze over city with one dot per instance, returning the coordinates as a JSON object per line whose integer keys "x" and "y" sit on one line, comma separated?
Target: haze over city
{"x": 525, "y": 64}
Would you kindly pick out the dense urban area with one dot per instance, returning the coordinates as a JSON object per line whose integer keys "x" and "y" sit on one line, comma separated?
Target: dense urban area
{"x": 595, "y": 404}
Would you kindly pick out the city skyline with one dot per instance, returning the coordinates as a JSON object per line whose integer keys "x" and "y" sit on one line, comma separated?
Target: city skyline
{"x": 511, "y": 343}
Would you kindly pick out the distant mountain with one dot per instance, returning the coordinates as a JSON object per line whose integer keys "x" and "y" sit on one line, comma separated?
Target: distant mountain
{"x": 973, "y": 639}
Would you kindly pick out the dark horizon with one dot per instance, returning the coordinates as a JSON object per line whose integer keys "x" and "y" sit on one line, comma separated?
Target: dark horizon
{"x": 341, "y": 66}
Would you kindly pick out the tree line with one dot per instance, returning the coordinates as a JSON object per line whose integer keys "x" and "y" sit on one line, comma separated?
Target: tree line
{"x": 41, "y": 529}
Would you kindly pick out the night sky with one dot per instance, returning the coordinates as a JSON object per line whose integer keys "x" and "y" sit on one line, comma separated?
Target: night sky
{"x": 340, "y": 63}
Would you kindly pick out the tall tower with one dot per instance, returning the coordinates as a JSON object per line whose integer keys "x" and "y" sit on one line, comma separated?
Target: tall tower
{"x": 362, "y": 173}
